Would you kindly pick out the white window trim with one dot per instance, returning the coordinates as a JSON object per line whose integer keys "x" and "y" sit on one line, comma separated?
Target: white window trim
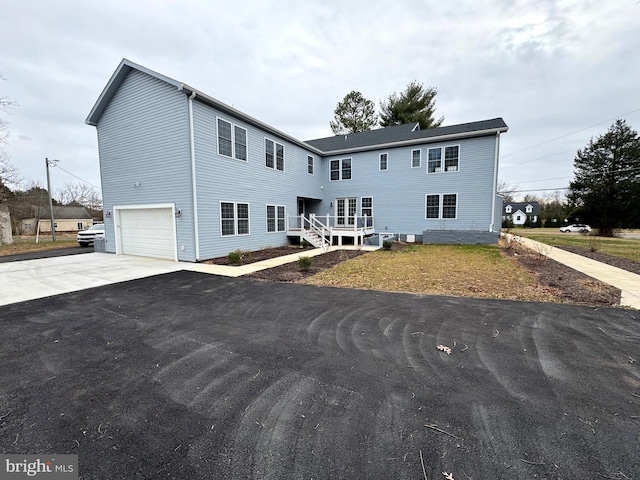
{"x": 276, "y": 218}
{"x": 233, "y": 140}
{"x": 508, "y": 209}
{"x": 420, "y": 158}
{"x": 235, "y": 219}
{"x": 380, "y": 162}
{"x": 313, "y": 165}
{"x": 443, "y": 160}
{"x": 340, "y": 160}
{"x": 275, "y": 155}
{"x": 362, "y": 203}
{"x": 444, "y": 151}
{"x": 440, "y": 205}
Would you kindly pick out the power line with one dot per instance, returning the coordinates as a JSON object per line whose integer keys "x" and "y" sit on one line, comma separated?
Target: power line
{"x": 75, "y": 176}
{"x": 536, "y": 159}
{"x": 569, "y": 134}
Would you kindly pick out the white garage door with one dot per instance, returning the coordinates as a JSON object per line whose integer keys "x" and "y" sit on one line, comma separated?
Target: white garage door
{"x": 147, "y": 232}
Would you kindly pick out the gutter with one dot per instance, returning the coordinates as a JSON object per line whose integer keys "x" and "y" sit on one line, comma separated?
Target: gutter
{"x": 495, "y": 184}
{"x": 192, "y": 148}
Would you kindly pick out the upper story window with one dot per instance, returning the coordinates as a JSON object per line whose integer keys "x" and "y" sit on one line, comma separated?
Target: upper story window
{"x": 310, "y": 164}
{"x": 340, "y": 169}
{"x": 416, "y": 158}
{"x": 232, "y": 140}
{"x": 273, "y": 155}
{"x": 508, "y": 209}
{"x": 435, "y": 160}
{"x": 529, "y": 208}
{"x": 384, "y": 161}
{"x": 451, "y": 159}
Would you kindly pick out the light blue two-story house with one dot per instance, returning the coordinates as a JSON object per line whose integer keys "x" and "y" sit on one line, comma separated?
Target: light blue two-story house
{"x": 187, "y": 177}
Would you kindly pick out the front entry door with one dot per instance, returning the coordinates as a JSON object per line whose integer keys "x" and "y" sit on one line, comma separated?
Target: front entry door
{"x": 345, "y": 211}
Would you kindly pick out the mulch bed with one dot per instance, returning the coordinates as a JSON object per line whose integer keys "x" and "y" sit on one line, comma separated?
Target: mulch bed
{"x": 570, "y": 285}
{"x": 259, "y": 255}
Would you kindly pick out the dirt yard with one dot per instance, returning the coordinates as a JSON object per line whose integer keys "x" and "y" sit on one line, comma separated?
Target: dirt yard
{"x": 553, "y": 281}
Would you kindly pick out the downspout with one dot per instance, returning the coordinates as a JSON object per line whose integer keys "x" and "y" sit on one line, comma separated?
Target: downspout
{"x": 495, "y": 184}
{"x": 194, "y": 191}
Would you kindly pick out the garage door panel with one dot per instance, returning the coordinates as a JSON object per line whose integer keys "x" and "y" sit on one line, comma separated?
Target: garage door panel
{"x": 147, "y": 232}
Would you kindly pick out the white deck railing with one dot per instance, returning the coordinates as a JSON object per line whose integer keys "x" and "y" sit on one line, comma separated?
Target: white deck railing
{"x": 331, "y": 222}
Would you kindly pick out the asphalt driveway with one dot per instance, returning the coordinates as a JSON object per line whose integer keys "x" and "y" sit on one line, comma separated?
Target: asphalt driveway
{"x": 193, "y": 376}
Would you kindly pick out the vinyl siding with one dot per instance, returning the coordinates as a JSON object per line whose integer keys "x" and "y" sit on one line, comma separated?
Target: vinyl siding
{"x": 399, "y": 192}
{"x": 143, "y": 137}
{"x": 223, "y": 179}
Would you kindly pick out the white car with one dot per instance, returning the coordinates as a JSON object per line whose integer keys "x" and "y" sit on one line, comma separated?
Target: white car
{"x": 577, "y": 227}
{"x": 85, "y": 237}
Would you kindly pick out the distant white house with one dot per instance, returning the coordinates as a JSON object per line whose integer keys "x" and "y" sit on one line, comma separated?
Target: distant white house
{"x": 519, "y": 211}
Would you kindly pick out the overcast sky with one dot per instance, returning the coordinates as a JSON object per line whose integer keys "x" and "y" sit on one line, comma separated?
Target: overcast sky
{"x": 550, "y": 68}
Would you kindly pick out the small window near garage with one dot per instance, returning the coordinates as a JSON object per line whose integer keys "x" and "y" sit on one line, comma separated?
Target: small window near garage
{"x": 79, "y": 225}
{"x": 384, "y": 161}
{"x": 416, "y": 158}
{"x": 234, "y": 218}
{"x": 310, "y": 165}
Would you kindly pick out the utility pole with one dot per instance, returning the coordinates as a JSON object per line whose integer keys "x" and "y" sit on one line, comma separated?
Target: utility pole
{"x": 53, "y": 228}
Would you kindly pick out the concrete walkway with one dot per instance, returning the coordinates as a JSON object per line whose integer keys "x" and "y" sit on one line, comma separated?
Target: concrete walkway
{"x": 628, "y": 282}
{"x": 30, "y": 279}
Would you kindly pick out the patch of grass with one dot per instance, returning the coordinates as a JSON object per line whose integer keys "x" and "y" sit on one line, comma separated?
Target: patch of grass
{"x": 619, "y": 247}
{"x": 28, "y": 244}
{"x": 456, "y": 270}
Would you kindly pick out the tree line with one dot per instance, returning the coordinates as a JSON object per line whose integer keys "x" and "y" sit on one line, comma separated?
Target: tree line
{"x": 416, "y": 104}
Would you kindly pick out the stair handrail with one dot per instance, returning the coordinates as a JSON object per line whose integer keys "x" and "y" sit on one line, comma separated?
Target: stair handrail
{"x": 319, "y": 228}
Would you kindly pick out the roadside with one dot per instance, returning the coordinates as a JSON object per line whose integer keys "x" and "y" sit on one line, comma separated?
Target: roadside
{"x": 27, "y": 244}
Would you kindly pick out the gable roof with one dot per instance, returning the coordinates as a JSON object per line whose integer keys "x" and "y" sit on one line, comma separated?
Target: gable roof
{"x": 399, "y": 135}
{"x": 62, "y": 213}
{"x": 406, "y": 135}
{"x": 522, "y": 206}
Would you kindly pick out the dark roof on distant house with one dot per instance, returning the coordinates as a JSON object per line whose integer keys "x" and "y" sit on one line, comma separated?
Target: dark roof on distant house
{"x": 405, "y": 134}
{"x": 522, "y": 206}
{"x": 62, "y": 213}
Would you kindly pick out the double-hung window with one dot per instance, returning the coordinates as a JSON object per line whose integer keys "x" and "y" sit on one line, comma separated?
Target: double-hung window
{"x": 232, "y": 140}
{"x": 276, "y": 218}
{"x": 384, "y": 161}
{"x": 310, "y": 164}
{"x": 416, "y": 158}
{"x": 273, "y": 155}
{"x": 340, "y": 169}
{"x": 234, "y": 218}
{"x": 433, "y": 206}
{"x": 451, "y": 159}
{"x": 434, "y": 162}
{"x": 441, "y": 206}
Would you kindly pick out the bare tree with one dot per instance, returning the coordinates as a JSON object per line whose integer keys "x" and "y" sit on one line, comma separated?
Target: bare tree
{"x": 80, "y": 194}
{"x": 507, "y": 191}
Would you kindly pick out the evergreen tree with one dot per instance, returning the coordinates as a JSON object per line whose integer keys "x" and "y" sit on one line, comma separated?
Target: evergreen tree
{"x": 606, "y": 190}
{"x": 415, "y": 105}
{"x": 354, "y": 114}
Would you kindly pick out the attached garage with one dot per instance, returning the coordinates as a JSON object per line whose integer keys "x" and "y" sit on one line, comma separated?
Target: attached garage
{"x": 146, "y": 231}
